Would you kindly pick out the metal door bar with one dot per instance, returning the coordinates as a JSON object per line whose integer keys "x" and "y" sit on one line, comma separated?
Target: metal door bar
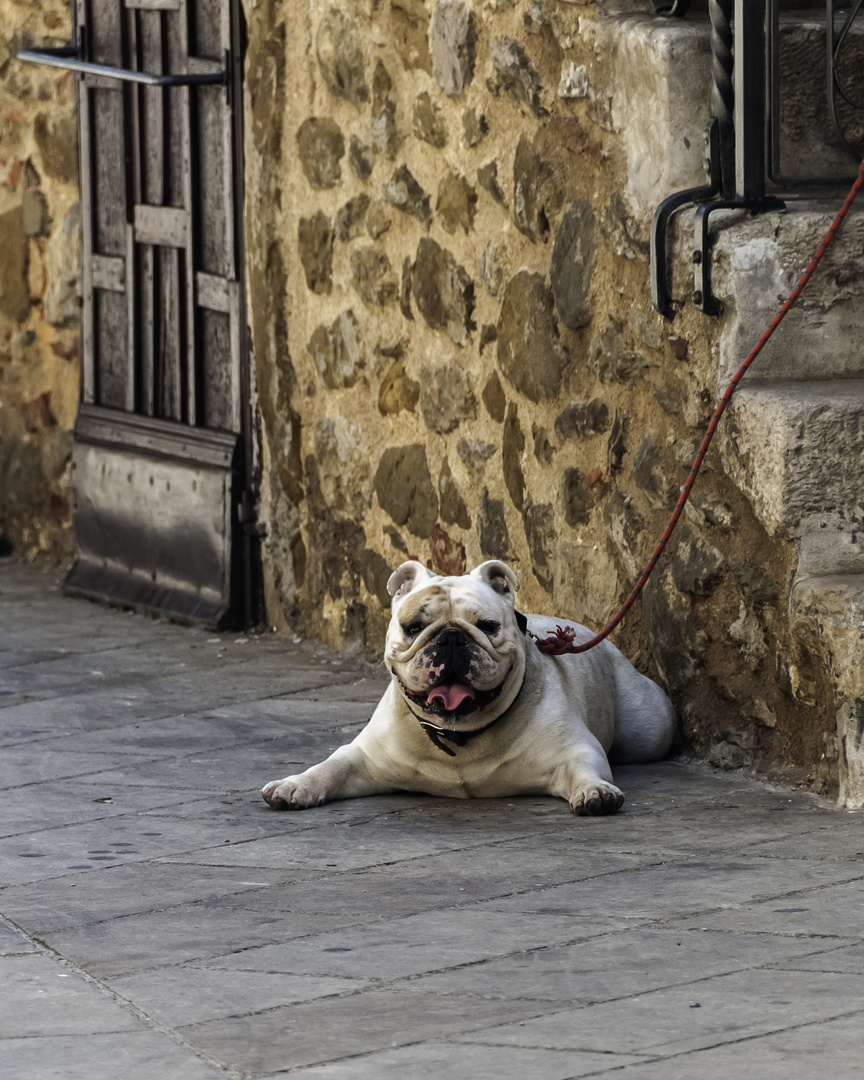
{"x": 64, "y": 58}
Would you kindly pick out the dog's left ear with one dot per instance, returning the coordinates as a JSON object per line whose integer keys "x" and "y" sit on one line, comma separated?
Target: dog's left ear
{"x": 403, "y": 580}
{"x": 498, "y": 576}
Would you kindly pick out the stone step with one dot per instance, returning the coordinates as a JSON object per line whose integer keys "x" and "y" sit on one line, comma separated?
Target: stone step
{"x": 757, "y": 263}
{"x": 796, "y": 449}
{"x": 832, "y": 543}
{"x": 661, "y": 104}
{"x": 835, "y": 605}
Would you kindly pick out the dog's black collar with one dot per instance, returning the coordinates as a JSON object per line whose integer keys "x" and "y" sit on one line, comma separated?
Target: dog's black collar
{"x": 436, "y": 734}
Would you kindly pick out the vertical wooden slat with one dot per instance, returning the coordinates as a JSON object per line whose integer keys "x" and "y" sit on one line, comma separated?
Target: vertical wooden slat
{"x": 167, "y": 326}
{"x": 147, "y": 329}
{"x": 88, "y": 373}
{"x": 236, "y": 359}
{"x": 170, "y": 343}
{"x": 131, "y": 286}
{"x": 189, "y": 165}
{"x": 151, "y": 142}
{"x": 138, "y": 390}
{"x": 228, "y": 152}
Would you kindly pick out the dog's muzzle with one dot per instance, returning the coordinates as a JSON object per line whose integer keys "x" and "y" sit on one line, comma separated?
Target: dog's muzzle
{"x": 452, "y": 695}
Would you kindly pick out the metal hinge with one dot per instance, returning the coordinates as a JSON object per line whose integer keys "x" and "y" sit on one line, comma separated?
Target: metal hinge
{"x": 247, "y": 515}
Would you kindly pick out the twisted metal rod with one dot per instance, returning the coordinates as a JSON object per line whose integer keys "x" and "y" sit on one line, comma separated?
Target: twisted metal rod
{"x": 722, "y": 61}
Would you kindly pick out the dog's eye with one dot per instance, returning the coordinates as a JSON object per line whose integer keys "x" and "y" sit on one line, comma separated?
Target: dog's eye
{"x": 488, "y": 626}
{"x": 412, "y": 629}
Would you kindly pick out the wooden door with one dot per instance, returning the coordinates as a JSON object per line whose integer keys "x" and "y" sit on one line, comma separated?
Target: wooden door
{"x": 164, "y": 449}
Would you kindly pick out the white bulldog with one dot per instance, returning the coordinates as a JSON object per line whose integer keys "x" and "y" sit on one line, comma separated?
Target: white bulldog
{"x": 475, "y": 710}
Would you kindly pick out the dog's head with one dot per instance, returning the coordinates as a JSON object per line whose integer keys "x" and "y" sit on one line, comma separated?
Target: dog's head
{"x": 455, "y": 646}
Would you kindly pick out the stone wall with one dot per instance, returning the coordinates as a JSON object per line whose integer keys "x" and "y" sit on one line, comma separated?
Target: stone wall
{"x": 457, "y": 359}
{"x": 39, "y": 312}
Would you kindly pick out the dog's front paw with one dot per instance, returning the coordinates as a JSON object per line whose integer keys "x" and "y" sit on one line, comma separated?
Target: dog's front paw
{"x": 596, "y": 797}
{"x": 293, "y": 793}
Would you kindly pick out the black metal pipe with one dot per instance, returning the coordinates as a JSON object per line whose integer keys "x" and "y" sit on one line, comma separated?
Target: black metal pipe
{"x": 751, "y": 72}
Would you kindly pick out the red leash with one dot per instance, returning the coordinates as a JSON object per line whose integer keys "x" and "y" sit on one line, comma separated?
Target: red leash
{"x": 561, "y": 641}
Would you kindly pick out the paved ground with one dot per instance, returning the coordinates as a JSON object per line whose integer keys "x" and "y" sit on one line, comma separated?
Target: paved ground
{"x": 161, "y": 923}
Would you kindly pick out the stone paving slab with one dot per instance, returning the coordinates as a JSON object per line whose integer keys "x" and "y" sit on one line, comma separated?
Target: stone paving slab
{"x": 362, "y": 1022}
{"x": 74, "y": 802}
{"x": 185, "y": 996}
{"x": 845, "y": 959}
{"x": 613, "y": 965}
{"x": 679, "y": 1019}
{"x": 39, "y": 999}
{"x": 415, "y": 944}
{"x": 147, "y": 1055}
{"x": 692, "y": 885}
{"x": 436, "y": 1060}
{"x": 131, "y": 888}
{"x": 187, "y": 932}
{"x": 13, "y": 942}
{"x": 161, "y": 923}
{"x": 830, "y": 1048}
{"x": 833, "y": 911}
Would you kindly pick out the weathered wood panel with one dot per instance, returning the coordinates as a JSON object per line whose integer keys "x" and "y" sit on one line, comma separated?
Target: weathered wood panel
{"x": 162, "y": 301}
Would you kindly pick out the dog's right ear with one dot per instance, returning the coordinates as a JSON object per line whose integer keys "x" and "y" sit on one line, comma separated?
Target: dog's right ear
{"x": 403, "y": 580}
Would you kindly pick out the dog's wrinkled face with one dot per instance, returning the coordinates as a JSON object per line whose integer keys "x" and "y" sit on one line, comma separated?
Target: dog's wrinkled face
{"x": 454, "y": 646}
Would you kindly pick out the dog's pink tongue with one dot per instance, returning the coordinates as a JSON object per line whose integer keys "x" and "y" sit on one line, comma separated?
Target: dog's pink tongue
{"x": 452, "y": 694}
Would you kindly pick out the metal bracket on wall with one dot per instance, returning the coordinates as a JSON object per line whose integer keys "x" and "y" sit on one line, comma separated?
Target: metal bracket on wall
{"x": 703, "y": 298}
{"x": 661, "y": 296}
{"x": 736, "y": 145}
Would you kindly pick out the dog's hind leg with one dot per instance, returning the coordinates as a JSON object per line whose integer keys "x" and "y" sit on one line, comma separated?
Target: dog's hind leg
{"x": 646, "y": 722}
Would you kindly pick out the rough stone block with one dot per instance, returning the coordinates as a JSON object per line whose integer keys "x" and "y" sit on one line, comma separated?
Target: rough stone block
{"x": 457, "y": 203}
{"x": 340, "y": 58}
{"x": 443, "y": 291}
{"x": 385, "y": 136}
{"x": 427, "y": 123}
{"x": 321, "y": 148}
{"x": 407, "y": 195}
{"x": 315, "y": 242}
{"x": 371, "y": 277}
{"x": 337, "y": 352}
{"x": 514, "y": 74}
{"x": 832, "y": 542}
{"x": 530, "y": 354}
{"x": 62, "y": 257}
{"x": 757, "y": 263}
{"x": 796, "y": 449}
{"x": 446, "y": 397}
{"x": 573, "y": 264}
{"x": 405, "y": 490}
{"x": 835, "y": 605}
{"x": 14, "y": 293}
{"x": 660, "y": 101}
{"x": 452, "y": 39}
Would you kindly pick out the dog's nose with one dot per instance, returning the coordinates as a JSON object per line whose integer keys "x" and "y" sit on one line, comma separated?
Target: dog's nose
{"x": 453, "y": 639}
